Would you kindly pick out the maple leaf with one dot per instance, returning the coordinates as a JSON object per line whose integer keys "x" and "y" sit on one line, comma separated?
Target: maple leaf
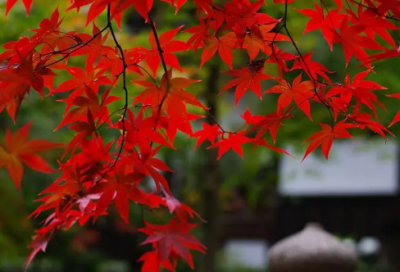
{"x": 170, "y": 97}
{"x": 299, "y": 91}
{"x": 336, "y": 103}
{"x": 251, "y": 119}
{"x": 152, "y": 262}
{"x": 84, "y": 129}
{"x": 258, "y": 38}
{"x": 50, "y": 36}
{"x": 81, "y": 80}
{"x": 246, "y": 79}
{"x": 121, "y": 188}
{"x": 181, "y": 210}
{"x": 173, "y": 123}
{"x": 355, "y": 44}
{"x": 364, "y": 120}
{"x": 140, "y": 131}
{"x": 360, "y": 89}
{"x": 325, "y": 137}
{"x": 84, "y": 104}
{"x": 373, "y": 24}
{"x": 39, "y": 243}
{"x": 312, "y": 68}
{"x": 280, "y": 57}
{"x": 222, "y": 44}
{"x": 147, "y": 164}
{"x": 95, "y": 47}
{"x": 200, "y": 32}
{"x": 388, "y": 53}
{"x": 152, "y": 56}
{"x": 174, "y": 237}
{"x": 234, "y": 142}
{"x": 66, "y": 186}
{"x": 263, "y": 142}
{"x": 17, "y": 151}
{"x": 243, "y": 14}
{"x": 11, "y": 3}
{"x": 117, "y": 7}
{"x": 19, "y": 75}
{"x": 388, "y": 5}
{"x": 270, "y": 122}
{"x": 326, "y": 23}
{"x": 209, "y": 132}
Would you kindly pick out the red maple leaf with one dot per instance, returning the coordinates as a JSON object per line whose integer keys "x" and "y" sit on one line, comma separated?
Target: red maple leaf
{"x": 50, "y": 36}
{"x": 258, "y": 38}
{"x": 312, "y": 68}
{"x": 360, "y": 90}
{"x": 271, "y": 122}
{"x": 81, "y": 80}
{"x": 120, "y": 188}
{"x": 181, "y": 210}
{"x": 234, "y": 142}
{"x": 170, "y": 97}
{"x": 18, "y": 150}
{"x": 246, "y": 79}
{"x": 326, "y": 23}
{"x": 173, "y": 238}
{"x": 222, "y": 44}
{"x": 389, "y": 5}
{"x": 173, "y": 123}
{"x": 373, "y": 24}
{"x": 325, "y": 137}
{"x": 147, "y": 165}
{"x": 355, "y": 44}
{"x": 263, "y": 142}
{"x": 152, "y": 262}
{"x": 209, "y": 132}
{"x": 364, "y": 120}
{"x": 141, "y": 132}
{"x": 117, "y": 7}
{"x": 152, "y": 56}
{"x": 85, "y": 104}
{"x": 11, "y": 3}
{"x": 387, "y": 54}
{"x": 299, "y": 91}
{"x": 95, "y": 47}
{"x": 84, "y": 129}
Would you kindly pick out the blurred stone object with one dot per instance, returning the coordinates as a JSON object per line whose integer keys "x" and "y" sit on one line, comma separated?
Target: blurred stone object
{"x": 312, "y": 250}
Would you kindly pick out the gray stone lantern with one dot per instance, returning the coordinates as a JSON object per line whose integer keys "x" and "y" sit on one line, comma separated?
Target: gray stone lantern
{"x": 312, "y": 250}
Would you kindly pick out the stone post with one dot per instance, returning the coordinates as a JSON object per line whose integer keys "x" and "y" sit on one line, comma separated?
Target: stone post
{"x": 312, "y": 250}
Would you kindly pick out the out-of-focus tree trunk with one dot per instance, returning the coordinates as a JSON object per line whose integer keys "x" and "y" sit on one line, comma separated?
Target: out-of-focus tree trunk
{"x": 211, "y": 180}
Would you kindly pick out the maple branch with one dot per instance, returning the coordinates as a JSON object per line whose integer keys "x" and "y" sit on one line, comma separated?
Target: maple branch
{"x": 160, "y": 52}
{"x": 212, "y": 117}
{"x": 159, "y": 49}
{"x": 314, "y": 81}
{"x": 125, "y": 108}
{"x": 74, "y": 48}
{"x": 390, "y": 17}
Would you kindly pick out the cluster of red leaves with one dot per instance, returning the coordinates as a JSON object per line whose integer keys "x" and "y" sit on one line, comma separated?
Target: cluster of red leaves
{"x": 95, "y": 174}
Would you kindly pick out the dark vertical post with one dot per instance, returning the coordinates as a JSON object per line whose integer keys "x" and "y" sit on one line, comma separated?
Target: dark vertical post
{"x": 211, "y": 178}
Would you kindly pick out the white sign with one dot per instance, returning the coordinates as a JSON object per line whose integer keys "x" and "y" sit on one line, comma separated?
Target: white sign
{"x": 355, "y": 167}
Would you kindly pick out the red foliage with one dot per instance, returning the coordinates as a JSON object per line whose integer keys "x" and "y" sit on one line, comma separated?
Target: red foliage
{"x": 94, "y": 174}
